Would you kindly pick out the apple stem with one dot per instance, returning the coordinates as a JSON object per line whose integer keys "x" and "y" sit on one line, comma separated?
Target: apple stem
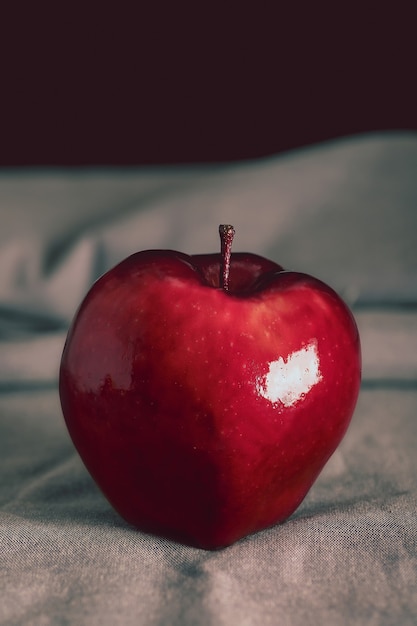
{"x": 227, "y": 232}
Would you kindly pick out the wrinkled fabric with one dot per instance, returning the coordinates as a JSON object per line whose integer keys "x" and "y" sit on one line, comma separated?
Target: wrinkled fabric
{"x": 346, "y": 212}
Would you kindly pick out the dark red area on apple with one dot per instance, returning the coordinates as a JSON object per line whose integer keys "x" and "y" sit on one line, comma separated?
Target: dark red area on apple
{"x": 205, "y": 415}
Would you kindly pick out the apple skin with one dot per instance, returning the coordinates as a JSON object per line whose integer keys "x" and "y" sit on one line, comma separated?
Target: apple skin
{"x": 205, "y": 415}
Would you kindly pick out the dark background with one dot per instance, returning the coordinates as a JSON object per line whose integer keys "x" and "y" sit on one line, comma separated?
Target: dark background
{"x": 178, "y": 85}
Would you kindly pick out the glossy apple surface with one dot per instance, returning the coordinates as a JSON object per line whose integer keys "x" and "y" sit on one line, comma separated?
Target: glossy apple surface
{"x": 203, "y": 414}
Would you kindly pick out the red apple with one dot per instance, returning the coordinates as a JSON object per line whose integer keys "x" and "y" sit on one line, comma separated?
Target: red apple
{"x": 205, "y": 393}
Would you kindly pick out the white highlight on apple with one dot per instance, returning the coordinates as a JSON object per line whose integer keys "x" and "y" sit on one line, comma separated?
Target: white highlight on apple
{"x": 288, "y": 381}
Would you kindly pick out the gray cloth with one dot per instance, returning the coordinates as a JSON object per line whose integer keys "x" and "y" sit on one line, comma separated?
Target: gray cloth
{"x": 346, "y": 212}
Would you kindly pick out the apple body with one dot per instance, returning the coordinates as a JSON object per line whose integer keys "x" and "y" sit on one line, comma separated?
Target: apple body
{"x": 202, "y": 414}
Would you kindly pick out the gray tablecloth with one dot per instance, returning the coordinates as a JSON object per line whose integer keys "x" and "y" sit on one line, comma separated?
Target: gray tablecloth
{"x": 346, "y": 212}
